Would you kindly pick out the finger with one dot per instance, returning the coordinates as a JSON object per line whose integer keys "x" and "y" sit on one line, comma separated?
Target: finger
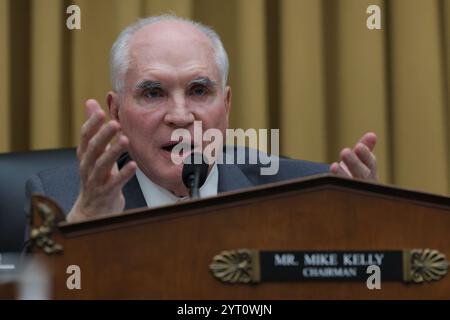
{"x": 92, "y": 106}
{"x": 124, "y": 175}
{"x": 335, "y": 168}
{"x": 106, "y": 161}
{"x": 356, "y": 167}
{"x": 89, "y": 129}
{"x": 344, "y": 167}
{"x": 369, "y": 139}
{"x": 97, "y": 145}
{"x": 367, "y": 157}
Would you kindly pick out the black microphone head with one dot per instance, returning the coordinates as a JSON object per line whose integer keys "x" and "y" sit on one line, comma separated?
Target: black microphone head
{"x": 195, "y": 162}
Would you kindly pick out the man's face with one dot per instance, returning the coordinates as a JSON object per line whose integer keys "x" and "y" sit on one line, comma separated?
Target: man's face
{"x": 171, "y": 81}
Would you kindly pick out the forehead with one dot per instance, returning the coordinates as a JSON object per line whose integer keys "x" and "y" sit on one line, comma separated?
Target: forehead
{"x": 171, "y": 48}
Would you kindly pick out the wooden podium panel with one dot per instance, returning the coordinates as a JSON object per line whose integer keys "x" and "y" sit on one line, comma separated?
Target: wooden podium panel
{"x": 165, "y": 253}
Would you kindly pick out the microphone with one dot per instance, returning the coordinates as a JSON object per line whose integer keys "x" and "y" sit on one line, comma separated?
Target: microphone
{"x": 195, "y": 171}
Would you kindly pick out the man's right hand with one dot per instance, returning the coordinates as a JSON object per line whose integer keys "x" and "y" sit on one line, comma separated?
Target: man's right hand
{"x": 101, "y": 179}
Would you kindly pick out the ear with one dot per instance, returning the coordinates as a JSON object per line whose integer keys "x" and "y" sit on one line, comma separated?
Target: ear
{"x": 227, "y": 97}
{"x": 112, "y": 100}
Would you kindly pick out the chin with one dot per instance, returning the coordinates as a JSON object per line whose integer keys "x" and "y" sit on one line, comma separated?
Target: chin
{"x": 170, "y": 174}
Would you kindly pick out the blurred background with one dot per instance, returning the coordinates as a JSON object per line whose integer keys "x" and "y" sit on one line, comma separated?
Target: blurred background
{"x": 308, "y": 67}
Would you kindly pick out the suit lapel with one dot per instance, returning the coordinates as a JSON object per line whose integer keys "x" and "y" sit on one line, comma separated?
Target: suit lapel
{"x": 134, "y": 198}
{"x": 231, "y": 178}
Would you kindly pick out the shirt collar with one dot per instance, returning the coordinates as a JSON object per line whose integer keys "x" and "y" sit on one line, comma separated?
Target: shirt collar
{"x": 156, "y": 196}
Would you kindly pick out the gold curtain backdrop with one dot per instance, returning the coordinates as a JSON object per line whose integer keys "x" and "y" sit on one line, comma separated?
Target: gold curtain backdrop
{"x": 308, "y": 67}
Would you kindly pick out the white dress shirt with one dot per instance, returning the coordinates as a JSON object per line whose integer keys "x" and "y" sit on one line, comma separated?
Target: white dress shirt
{"x": 156, "y": 195}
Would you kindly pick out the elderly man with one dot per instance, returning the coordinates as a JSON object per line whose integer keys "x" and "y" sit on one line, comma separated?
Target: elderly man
{"x": 166, "y": 72}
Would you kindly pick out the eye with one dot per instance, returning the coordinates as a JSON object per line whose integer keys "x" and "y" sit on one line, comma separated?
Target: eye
{"x": 153, "y": 93}
{"x": 199, "y": 91}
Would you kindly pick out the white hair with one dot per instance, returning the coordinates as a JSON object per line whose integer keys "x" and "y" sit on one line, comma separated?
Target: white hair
{"x": 120, "y": 60}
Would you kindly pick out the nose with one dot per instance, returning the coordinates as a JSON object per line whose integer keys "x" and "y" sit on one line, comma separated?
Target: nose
{"x": 179, "y": 114}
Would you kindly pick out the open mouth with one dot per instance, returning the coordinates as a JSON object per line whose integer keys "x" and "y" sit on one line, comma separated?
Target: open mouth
{"x": 187, "y": 147}
{"x": 169, "y": 147}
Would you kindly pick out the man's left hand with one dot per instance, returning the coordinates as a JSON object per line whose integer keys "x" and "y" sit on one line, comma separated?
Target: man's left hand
{"x": 359, "y": 162}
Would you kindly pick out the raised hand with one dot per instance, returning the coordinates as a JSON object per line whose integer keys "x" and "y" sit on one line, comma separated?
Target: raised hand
{"x": 101, "y": 180}
{"x": 359, "y": 162}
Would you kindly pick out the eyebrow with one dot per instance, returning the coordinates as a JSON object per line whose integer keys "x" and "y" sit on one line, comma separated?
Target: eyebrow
{"x": 148, "y": 84}
{"x": 207, "y": 82}
{"x": 151, "y": 84}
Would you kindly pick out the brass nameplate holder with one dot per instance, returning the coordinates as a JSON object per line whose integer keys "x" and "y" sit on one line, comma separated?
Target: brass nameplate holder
{"x": 44, "y": 216}
{"x": 253, "y": 266}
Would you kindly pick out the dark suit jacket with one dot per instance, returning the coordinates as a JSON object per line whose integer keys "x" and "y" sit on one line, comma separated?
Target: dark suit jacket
{"x": 63, "y": 183}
